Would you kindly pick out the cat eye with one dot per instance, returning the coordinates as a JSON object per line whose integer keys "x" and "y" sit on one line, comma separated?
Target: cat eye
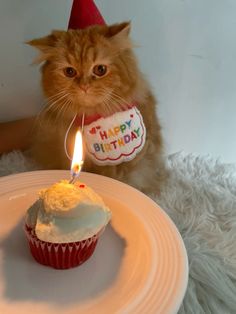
{"x": 70, "y": 72}
{"x": 100, "y": 69}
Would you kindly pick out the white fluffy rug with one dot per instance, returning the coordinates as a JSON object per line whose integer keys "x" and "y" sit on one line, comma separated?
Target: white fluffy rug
{"x": 200, "y": 197}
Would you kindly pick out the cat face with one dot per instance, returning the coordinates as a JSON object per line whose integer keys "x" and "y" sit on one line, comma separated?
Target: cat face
{"x": 91, "y": 70}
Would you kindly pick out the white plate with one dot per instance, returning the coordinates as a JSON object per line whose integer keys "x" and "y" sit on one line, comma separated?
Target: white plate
{"x": 139, "y": 266}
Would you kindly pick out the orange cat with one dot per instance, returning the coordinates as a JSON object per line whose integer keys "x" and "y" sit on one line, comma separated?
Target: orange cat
{"x": 94, "y": 72}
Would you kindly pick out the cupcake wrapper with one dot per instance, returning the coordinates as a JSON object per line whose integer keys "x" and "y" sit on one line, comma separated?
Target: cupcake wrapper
{"x": 60, "y": 255}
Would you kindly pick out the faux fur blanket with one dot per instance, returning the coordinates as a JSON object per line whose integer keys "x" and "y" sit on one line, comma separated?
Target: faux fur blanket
{"x": 200, "y": 197}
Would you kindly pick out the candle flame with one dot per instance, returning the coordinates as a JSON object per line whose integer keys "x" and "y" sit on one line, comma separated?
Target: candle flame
{"x": 77, "y": 159}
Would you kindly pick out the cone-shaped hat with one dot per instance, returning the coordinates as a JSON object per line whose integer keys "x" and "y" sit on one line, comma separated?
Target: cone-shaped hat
{"x": 84, "y": 13}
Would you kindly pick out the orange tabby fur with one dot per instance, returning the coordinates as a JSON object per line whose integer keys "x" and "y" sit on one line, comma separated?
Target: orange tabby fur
{"x": 123, "y": 84}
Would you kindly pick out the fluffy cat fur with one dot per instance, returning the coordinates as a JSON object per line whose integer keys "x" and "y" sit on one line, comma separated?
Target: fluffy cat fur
{"x": 86, "y": 93}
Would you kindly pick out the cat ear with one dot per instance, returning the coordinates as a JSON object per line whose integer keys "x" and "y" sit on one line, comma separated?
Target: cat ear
{"x": 45, "y": 45}
{"x": 118, "y": 34}
{"x": 122, "y": 30}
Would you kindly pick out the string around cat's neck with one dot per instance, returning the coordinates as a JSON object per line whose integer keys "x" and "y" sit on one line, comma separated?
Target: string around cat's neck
{"x": 68, "y": 130}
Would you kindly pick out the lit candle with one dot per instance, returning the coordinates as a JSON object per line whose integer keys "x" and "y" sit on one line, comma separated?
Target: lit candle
{"x": 77, "y": 160}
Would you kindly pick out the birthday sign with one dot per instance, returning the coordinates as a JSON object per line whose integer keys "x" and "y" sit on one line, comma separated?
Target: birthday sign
{"x": 115, "y": 139}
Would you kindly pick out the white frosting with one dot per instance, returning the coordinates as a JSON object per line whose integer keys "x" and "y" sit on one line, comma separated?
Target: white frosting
{"x": 67, "y": 213}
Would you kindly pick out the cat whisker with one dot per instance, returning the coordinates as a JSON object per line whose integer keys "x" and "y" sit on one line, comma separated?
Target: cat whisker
{"x": 105, "y": 102}
{"x": 105, "y": 105}
{"x": 117, "y": 103}
{"x": 69, "y": 102}
{"x": 52, "y": 107}
{"x": 59, "y": 111}
{"x": 62, "y": 110}
{"x": 123, "y": 105}
{"x": 107, "y": 108}
{"x": 53, "y": 97}
{"x": 57, "y": 94}
{"x": 110, "y": 103}
{"x": 120, "y": 98}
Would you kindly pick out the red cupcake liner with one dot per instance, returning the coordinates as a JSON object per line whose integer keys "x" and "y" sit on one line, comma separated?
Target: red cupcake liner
{"x": 60, "y": 255}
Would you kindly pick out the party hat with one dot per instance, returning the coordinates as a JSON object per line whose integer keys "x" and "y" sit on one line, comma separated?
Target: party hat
{"x": 84, "y": 13}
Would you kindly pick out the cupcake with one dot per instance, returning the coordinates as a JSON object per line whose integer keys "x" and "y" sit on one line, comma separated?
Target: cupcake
{"x": 63, "y": 226}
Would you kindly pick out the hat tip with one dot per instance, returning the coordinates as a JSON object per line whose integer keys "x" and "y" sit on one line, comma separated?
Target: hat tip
{"x": 84, "y": 13}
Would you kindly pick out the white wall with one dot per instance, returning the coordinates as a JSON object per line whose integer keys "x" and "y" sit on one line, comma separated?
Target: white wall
{"x": 187, "y": 50}
{"x": 20, "y": 94}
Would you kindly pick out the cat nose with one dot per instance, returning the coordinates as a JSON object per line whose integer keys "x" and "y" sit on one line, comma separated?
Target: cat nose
{"x": 84, "y": 87}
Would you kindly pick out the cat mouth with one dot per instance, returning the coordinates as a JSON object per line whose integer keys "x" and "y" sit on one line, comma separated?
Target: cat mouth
{"x": 88, "y": 100}
{"x": 98, "y": 103}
